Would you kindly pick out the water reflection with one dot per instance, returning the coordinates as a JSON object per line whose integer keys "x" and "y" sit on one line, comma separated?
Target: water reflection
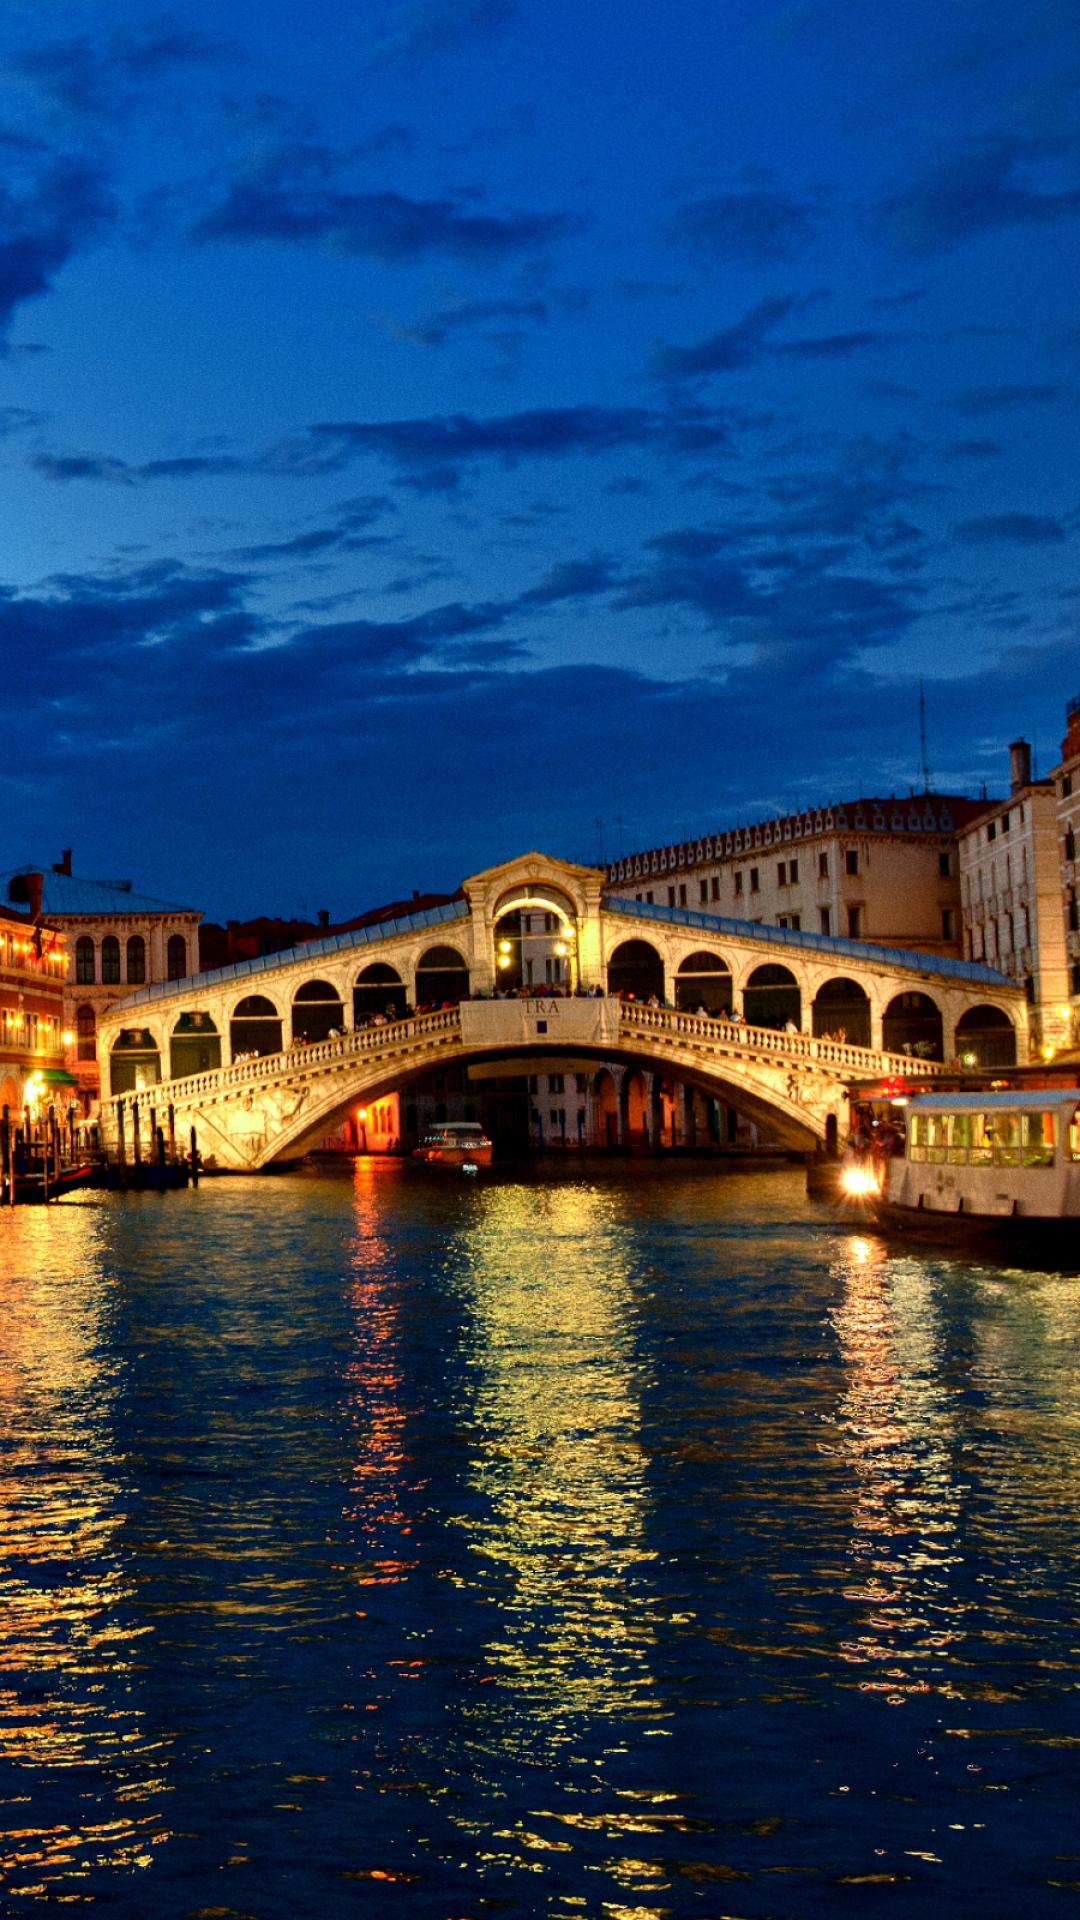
{"x": 559, "y": 1530}
{"x": 375, "y": 1410}
{"x": 894, "y": 1431}
{"x": 66, "y": 1641}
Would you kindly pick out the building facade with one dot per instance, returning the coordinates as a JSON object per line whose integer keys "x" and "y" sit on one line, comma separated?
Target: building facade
{"x": 1011, "y": 886}
{"x": 116, "y": 939}
{"x": 883, "y": 871}
{"x": 1066, "y": 781}
{"x": 32, "y": 1037}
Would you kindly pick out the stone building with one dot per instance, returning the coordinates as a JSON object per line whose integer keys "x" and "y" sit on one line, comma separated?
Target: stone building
{"x": 1010, "y": 878}
{"x": 117, "y": 939}
{"x": 883, "y": 871}
{"x": 32, "y": 969}
{"x": 1066, "y": 781}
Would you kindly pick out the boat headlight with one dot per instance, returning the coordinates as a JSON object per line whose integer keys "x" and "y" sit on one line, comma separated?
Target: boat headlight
{"x": 858, "y": 1181}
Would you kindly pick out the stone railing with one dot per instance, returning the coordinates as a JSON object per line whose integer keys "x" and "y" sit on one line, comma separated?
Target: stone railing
{"x": 866, "y": 1062}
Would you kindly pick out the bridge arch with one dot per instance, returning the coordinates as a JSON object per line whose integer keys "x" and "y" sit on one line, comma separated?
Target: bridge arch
{"x": 704, "y": 980}
{"x": 378, "y": 988}
{"x": 255, "y": 1027}
{"x": 194, "y": 1045}
{"x": 635, "y": 971}
{"x": 771, "y": 997}
{"x": 842, "y": 1009}
{"x": 442, "y": 974}
{"x": 316, "y": 1010}
{"x": 912, "y": 1024}
{"x": 986, "y": 1037}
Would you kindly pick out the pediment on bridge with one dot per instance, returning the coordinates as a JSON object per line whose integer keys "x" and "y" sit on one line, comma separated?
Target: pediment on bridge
{"x": 533, "y": 871}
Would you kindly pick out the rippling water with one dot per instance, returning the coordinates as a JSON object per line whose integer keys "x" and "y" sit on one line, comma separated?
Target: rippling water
{"x": 631, "y": 1544}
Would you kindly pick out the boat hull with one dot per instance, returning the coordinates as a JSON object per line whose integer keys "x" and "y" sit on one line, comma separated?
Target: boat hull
{"x": 1030, "y": 1238}
{"x": 454, "y": 1156}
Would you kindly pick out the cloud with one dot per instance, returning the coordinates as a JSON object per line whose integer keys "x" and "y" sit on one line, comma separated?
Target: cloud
{"x": 748, "y": 342}
{"x": 759, "y": 226}
{"x": 570, "y": 580}
{"x": 434, "y": 331}
{"x": 121, "y": 473}
{"x": 1010, "y": 529}
{"x": 102, "y": 78}
{"x": 420, "y": 29}
{"x": 970, "y": 194}
{"x": 57, "y": 212}
{"x": 973, "y": 402}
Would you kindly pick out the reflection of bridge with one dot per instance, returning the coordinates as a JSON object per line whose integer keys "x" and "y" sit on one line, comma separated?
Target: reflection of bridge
{"x": 265, "y": 1058}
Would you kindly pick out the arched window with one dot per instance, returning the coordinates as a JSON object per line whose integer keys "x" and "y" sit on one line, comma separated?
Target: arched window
{"x": 86, "y": 1031}
{"x": 912, "y": 1024}
{"x": 316, "y": 1009}
{"x": 441, "y": 974}
{"x": 136, "y": 960}
{"x": 771, "y": 998}
{"x": 704, "y": 980}
{"x": 378, "y": 989}
{"x": 841, "y": 1006}
{"x": 636, "y": 971}
{"x": 194, "y": 1046}
{"x": 255, "y": 1026}
{"x": 985, "y": 1037}
{"x": 176, "y": 957}
{"x": 110, "y": 961}
{"x": 85, "y": 969}
{"x": 134, "y": 1061}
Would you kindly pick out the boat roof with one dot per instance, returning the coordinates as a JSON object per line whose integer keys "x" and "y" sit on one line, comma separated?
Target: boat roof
{"x": 986, "y": 1102}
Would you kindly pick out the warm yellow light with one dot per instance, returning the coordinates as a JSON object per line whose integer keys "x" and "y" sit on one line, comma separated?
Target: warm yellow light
{"x": 1047, "y": 1052}
{"x": 504, "y": 959}
{"x": 560, "y": 946}
{"x": 858, "y": 1180}
{"x": 68, "y": 1038}
{"x": 1064, "y": 1012}
{"x": 504, "y": 946}
{"x": 361, "y": 1113}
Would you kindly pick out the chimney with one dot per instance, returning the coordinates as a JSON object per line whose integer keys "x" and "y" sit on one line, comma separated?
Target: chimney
{"x": 63, "y": 865}
{"x": 34, "y": 885}
{"x": 416, "y": 893}
{"x": 324, "y": 916}
{"x": 1019, "y": 765}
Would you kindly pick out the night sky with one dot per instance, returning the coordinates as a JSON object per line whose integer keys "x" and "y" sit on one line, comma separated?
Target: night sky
{"x": 441, "y": 428}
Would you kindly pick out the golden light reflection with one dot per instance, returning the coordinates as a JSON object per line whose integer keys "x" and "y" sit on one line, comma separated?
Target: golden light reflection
{"x": 559, "y": 1461}
{"x": 65, "y": 1644}
{"x": 893, "y": 1429}
{"x": 373, "y": 1377}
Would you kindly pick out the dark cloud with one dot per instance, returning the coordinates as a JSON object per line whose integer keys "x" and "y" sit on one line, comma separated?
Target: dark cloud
{"x": 121, "y": 473}
{"x": 970, "y": 194}
{"x": 101, "y": 77}
{"x": 1010, "y": 529}
{"x": 435, "y": 330}
{"x": 43, "y": 222}
{"x": 973, "y": 402}
{"x": 419, "y": 29}
{"x": 748, "y": 342}
{"x": 570, "y": 580}
{"x": 759, "y": 226}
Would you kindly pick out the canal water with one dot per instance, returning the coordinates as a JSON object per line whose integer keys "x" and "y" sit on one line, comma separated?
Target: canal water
{"x": 625, "y": 1543}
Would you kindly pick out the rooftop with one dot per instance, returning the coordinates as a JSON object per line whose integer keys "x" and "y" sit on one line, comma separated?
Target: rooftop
{"x": 64, "y": 893}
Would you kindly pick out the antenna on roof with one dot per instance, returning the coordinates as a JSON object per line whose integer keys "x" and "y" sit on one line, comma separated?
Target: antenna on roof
{"x": 922, "y": 739}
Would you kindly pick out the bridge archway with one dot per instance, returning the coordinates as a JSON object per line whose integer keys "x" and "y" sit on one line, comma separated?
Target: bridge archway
{"x": 912, "y": 1024}
{"x": 842, "y": 1010}
{"x": 635, "y": 1091}
{"x": 378, "y": 988}
{"x": 636, "y": 971}
{"x": 316, "y": 1009}
{"x": 704, "y": 980}
{"x": 135, "y": 1061}
{"x": 441, "y": 975}
{"x": 194, "y": 1046}
{"x": 255, "y": 1027}
{"x": 606, "y": 1109}
{"x": 771, "y": 998}
{"x": 986, "y": 1037}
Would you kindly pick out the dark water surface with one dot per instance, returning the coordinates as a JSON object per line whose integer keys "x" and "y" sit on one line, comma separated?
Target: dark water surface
{"x": 629, "y": 1544}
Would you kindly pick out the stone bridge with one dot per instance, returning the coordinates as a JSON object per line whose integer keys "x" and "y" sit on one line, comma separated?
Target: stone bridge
{"x": 265, "y": 1058}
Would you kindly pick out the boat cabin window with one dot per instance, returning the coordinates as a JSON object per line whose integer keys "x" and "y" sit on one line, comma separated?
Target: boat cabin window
{"x": 1072, "y": 1136}
{"x": 988, "y": 1139}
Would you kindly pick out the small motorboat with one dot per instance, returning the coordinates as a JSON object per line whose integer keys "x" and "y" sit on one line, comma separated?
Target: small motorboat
{"x": 455, "y": 1143}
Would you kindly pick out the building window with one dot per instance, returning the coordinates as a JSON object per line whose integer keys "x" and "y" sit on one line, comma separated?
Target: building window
{"x": 704, "y": 890}
{"x": 86, "y": 1030}
{"x": 792, "y": 920}
{"x": 716, "y": 886}
{"x": 1074, "y": 912}
{"x": 671, "y": 896}
{"x": 555, "y": 1083}
{"x": 823, "y": 866}
{"x": 781, "y": 874}
{"x": 946, "y": 923}
{"x": 1076, "y": 979}
{"x": 136, "y": 960}
{"x": 1066, "y": 786}
{"x": 682, "y": 896}
{"x": 85, "y": 972}
{"x": 755, "y": 880}
{"x": 793, "y": 870}
{"x": 176, "y": 956}
{"x": 1070, "y": 844}
{"x": 991, "y": 831}
{"x": 825, "y": 915}
{"x": 854, "y": 921}
{"x": 110, "y": 961}
{"x": 851, "y": 861}
{"x": 1004, "y": 823}
{"x": 738, "y": 883}
{"x": 648, "y": 900}
{"x": 943, "y": 865}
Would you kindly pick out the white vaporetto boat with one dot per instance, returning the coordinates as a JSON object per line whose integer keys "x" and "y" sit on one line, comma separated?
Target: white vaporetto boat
{"x": 1002, "y": 1164}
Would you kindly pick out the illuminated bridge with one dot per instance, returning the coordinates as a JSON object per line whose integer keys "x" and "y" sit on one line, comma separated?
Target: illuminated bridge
{"x": 267, "y": 1057}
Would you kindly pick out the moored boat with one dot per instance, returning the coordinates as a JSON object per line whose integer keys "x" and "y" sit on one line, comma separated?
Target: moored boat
{"x": 455, "y": 1143}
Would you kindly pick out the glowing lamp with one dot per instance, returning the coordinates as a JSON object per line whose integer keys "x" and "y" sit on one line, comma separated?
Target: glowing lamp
{"x": 858, "y": 1181}
{"x": 504, "y": 946}
{"x": 560, "y": 947}
{"x": 504, "y": 959}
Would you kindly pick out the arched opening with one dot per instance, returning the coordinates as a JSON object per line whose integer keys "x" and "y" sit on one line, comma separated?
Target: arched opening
{"x": 912, "y": 1024}
{"x": 986, "y": 1037}
{"x": 635, "y": 1111}
{"x": 441, "y": 975}
{"x": 534, "y": 947}
{"x": 316, "y": 1009}
{"x": 841, "y": 1011}
{"x": 378, "y": 989}
{"x": 255, "y": 1027}
{"x": 194, "y": 1046}
{"x": 136, "y": 960}
{"x": 134, "y": 1061}
{"x": 704, "y": 980}
{"x": 771, "y": 998}
{"x": 85, "y": 971}
{"x": 176, "y": 957}
{"x": 636, "y": 971}
{"x": 110, "y": 961}
{"x": 9, "y": 1096}
{"x": 605, "y": 1109}
{"x": 86, "y": 1033}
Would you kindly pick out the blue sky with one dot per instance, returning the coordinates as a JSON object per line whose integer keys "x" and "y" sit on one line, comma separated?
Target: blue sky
{"x": 433, "y": 428}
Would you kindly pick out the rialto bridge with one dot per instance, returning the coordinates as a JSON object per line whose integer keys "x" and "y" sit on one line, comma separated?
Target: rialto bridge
{"x": 267, "y": 1057}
